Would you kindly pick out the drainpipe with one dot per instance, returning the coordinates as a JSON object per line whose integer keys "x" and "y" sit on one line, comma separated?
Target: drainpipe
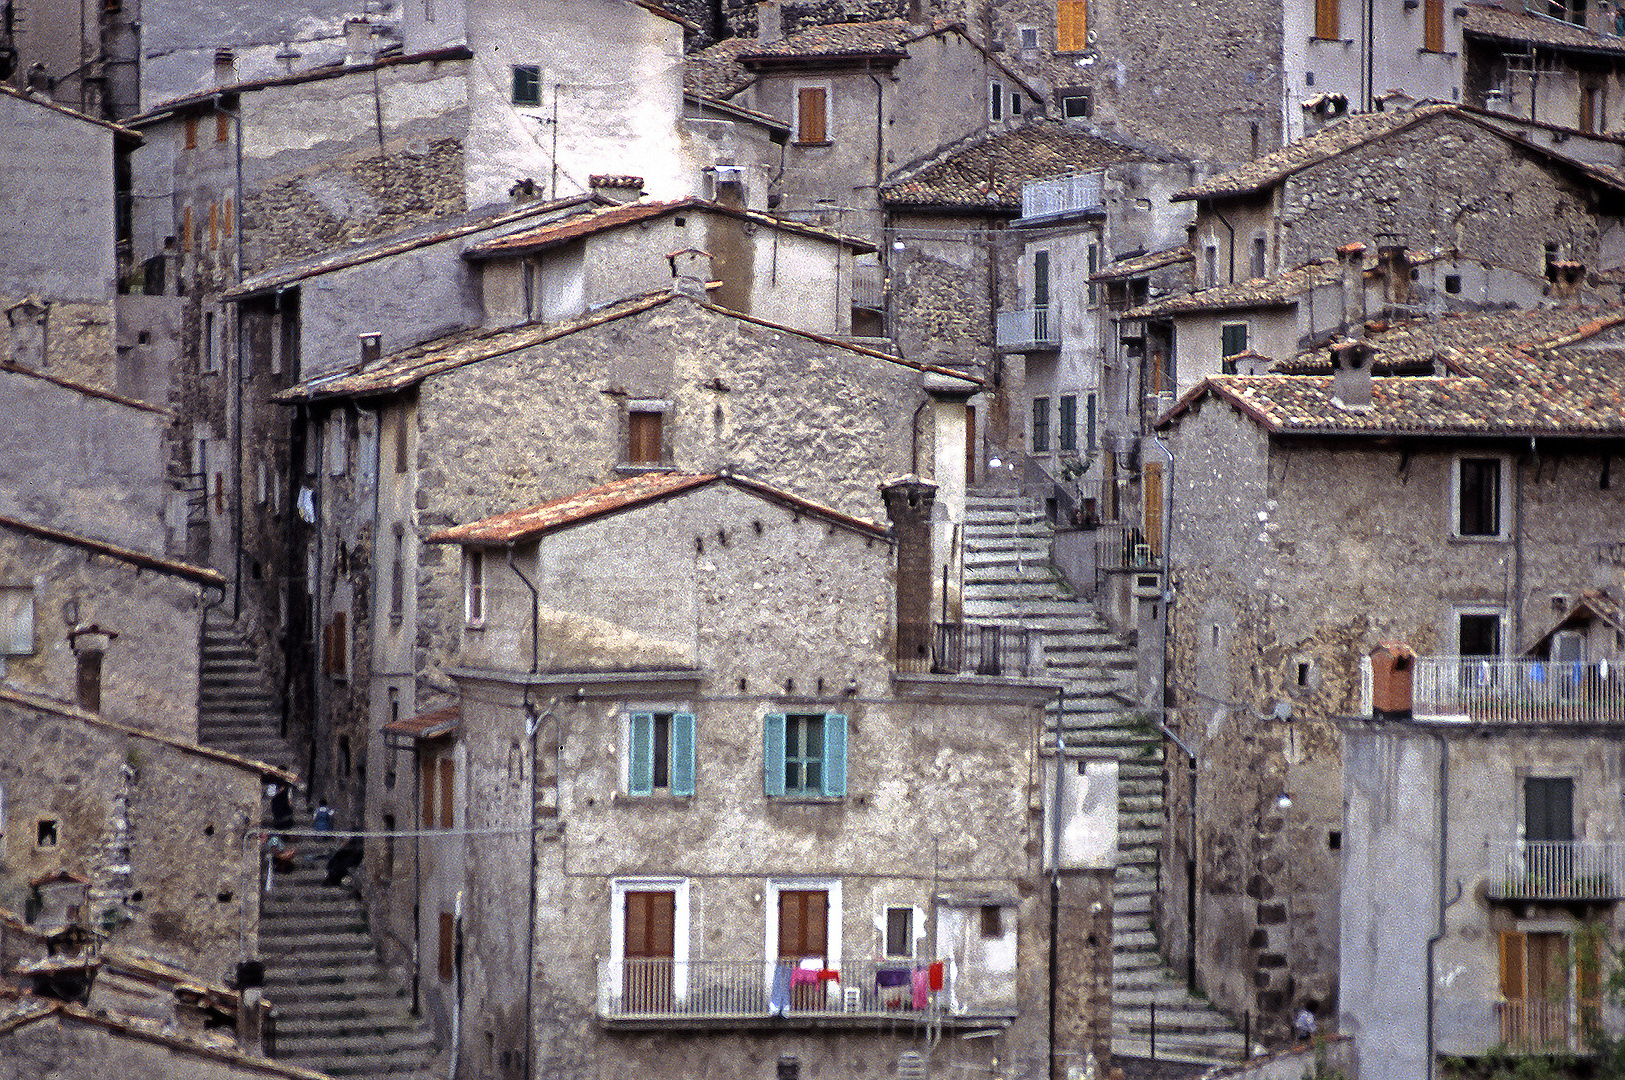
{"x": 535, "y": 723}
{"x": 1055, "y": 868}
{"x": 1517, "y": 548}
{"x": 914, "y": 428}
{"x": 457, "y": 996}
{"x": 237, "y": 435}
{"x": 1444, "y": 905}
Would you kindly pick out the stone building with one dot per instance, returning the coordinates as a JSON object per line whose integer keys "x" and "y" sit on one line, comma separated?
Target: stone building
{"x": 1313, "y": 516}
{"x": 483, "y": 422}
{"x": 1563, "y": 69}
{"x": 765, "y": 835}
{"x": 1482, "y": 859}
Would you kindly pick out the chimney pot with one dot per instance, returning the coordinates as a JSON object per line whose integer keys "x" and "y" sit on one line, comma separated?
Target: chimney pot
{"x": 616, "y": 187}
{"x": 769, "y": 22}
{"x": 1393, "y": 669}
{"x": 1395, "y": 263}
{"x": 1351, "y": 374}
{"x": 1351, "y": 260}
{"x": 225, "y": 67}
{"x": 372, "y": 347}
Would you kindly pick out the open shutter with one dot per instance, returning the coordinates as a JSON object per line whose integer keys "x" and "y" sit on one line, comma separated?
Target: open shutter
{"x": 682, "y": 754}
{"x": 773, "y": 754}
{"x": 835, "y": 755}
{"x": 639, "y": 749}
{"x": 1512, "y": 984}
{"x": 810, "y": 125}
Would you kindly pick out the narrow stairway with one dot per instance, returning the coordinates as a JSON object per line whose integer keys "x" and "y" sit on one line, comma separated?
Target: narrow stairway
{"x": 237, "y": 710}
{"x": 339, "y": 1010}
{"x": 1009, "y": 580}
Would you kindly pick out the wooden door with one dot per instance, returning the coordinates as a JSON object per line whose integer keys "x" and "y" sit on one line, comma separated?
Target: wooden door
{"x": 970, "y": 444}
{"x": 804, "y": 934}
{"x": 651, "y": 919}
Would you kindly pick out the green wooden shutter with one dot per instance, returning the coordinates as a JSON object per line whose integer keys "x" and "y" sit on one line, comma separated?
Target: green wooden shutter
{"x": 640, "y": 749}
{"x": 773, "y": 754}
{"x": 835, "y": 755}
{"x": 682, "y": 754}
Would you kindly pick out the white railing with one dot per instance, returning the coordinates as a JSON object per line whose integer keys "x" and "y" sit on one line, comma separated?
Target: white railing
{"x": 747, "y": 989}
{"x": 1063, "y": 195}
{"x": 1556, "y": 870}
{"x": 1036, "y": 328}
{"x": 1518, "y": 691}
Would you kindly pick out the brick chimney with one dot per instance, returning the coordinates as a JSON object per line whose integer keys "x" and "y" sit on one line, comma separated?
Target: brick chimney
{"x": 1393, "y": 669}
{"x": 372, "y": 347}
{"x": 1351, "y": 374}
{"x": 769, "y": 22}
{"x": 909, "y": 501}
{"x": 1567, "y": 277}
{"x": 225, "y": 67}
{"x": 1394, "y": 263}
{"x": 1351, "y": 260}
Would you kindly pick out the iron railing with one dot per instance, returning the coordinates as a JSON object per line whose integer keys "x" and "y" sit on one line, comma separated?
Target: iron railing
{"x": 967, "y": 649}
{"x": 1124, "y": 547}
{"x": 1028, "y": 328}
{"x": 1557, "y": 870}
{"x": 1519, "y": 691}
{"x": 1065, "y": 194}
{"x": 750, "y": 989}
{"x": 1537, "y": 1025}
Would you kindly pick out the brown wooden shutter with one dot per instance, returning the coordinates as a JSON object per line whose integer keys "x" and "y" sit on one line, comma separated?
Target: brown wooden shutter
{"x": 426, "y": 780}
{"x": 1326, "y": 19}
{"x": 448, "y": 939}
{"x": 651, "y": 921}
{"x": 448, "y": 801}
{"x": 1433, "y": 25}
{"x": 1071, "y": 25}
{"x": 810, "y": 120}
{"x": 1151, "y": 500}
{"x": 1512, "y": 985}
{"x": 643, "y": 438}
{"x": 803, "y": 924}
{"x": 970, "y": 444}
{"x": 191, "y": 133}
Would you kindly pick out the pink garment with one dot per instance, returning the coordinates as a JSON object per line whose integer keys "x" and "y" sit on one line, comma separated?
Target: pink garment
{"x": 805, "y": 976}
{"x": 922, "y": 987}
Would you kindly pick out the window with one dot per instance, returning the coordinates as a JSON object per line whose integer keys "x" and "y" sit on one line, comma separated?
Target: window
{"x": 660, "y": 754}
{"x": 992, "y": 921}
{"x": 1015, "y": 103}
{"x": 397, "y": 573}
{"x": 1094, "y": 265}
{"x": 1089, "y": 422}
{"x": 191, "y": 133}
{"x": 1261, "y": 248}
{"x": 1478, "y": 497}
{"x": 811, "y": 123}
{"x": 1433, "y": 25}
{"x": 448, "y": 938}
{"x": 16, "y": 620}
{"x": 1232, "y": 340}
{"x": 527, "y": 84}
{"x": 1071, "y": 25}
{"x": 1076, "y": 105}
{"x": 336, "y": 644}
{"x": 1592, "y": 117}
{"x": 1326, "y": 19}
{"x": 1151, "y": 499}
{"x": 995, "y": 101}
{"x": 210, "y": 361}
{"x": 448, "y": 792}
{"x": 1478, "y": 633}
{"x": 474, "y": 588}
{"x": 1210, "y": 266}
{"x": 1067, "y": 437}
{"x": 222, "y": 127}
{"x": 1029, "y": 37}
{"x": 805, "y": 755}
{"x": 1040, "y": 279}
{"x": 1539, "y": 980}
{"x": 1040, "y": 425}
{"x": 1548, "y": 808}
{"x": 643, "y": 436}
{"x": 899, "y": 932}
{"x": 48, "y": 833}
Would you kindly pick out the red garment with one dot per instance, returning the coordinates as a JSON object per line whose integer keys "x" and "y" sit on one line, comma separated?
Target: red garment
{"x": 936, "y": 976}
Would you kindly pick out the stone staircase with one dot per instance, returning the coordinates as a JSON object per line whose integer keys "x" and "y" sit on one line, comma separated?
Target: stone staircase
{"x": 339, "y": 1010}
{"x": 236, "y": 709}
{"x": 1009, "y": 580}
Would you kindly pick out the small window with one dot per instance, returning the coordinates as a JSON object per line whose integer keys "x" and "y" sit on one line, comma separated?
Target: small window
{"x": 1015, "y": 104}
{"x": 1089, "y": 415}
{"x": 1041, "y": 279}
{"x": 1478, "y": 497}
{"x": 995, "y": 101}
{"x": 1029, "y": 37}
{"x": 474, "y": 588}
{"x": 1452, "y": 284}
{"x": 1478, "y": 633}
{"x": 1068, "y": 435}
{"x": 527, "y": 84}
{"x": 1040, "y": 425}
{"x": 211, "y": 362}
{"x": 48, "y": 833}
{"x": 1210, "y": 266}
{"x": 17, "y": 620}
{"x": 397, "y": 573}
{"x": 1232, "y": 340}
{"x": 1334, "y": 840}
{"x": 805, "y": 755}
{"x": 643, "y": 443}
{"x": 1077, "y": 105}
{"x": 1433, "y": 26}
{"x": 660, "y": 754}
{"x": 811, "y": 121}
{"x": 448, "y": 934}
{"x": 992, "y": 921}
{"x": 191, "y": 133}
{"x": 899, "y": 932}
{"x": 1071, "y": 25}
{"x": 1261, "y": 248}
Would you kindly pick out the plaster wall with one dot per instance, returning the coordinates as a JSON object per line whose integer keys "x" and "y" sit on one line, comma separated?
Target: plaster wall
{"x": 81, "y": 1050}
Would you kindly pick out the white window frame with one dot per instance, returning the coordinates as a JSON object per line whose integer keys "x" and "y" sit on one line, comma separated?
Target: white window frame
{"x": 12, "y": 640}
{"x": 832, "y": 929}
{"x": 1502, "y": 499}
{"x": 1478, "y": 609}
{"x": 474, "y": 571}
{"x": 619, "y": 887}
{"x": 916, "y": 930}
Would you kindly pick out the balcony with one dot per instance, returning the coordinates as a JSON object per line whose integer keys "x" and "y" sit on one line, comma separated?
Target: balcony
{"x": 1557, "y": 870}
{"x": 701, "y": 993}
{"x": 1493, "y": 690}
{"x": 1124, "y": 547}
{"x": 968, "y": 649}
{"x": 1033, "y": 329}
{"x": 1540, "y": 1026}
{"x": 1065, "y": 195}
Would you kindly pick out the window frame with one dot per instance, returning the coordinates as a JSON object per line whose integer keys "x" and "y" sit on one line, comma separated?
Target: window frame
{"x": 1480, "y": 611}
{"x": 776, "y": 760}
{"x": 1066, "y": 426}
{"x": 913, "y": 931}
{"x": 640, "y": 764}
{"x": 1457, "y": 490}
{"x": 1227, "y": 340}
{"x": 995, "y": 101}
{"x": 526, "y": 88}
{"x": 19, "y": 618}
{"x": 476, "y": 587}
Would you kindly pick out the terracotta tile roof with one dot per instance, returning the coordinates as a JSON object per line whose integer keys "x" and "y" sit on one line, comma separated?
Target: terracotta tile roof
{"x": 428, "y": 725}
{"x": 1593, "y": 602}
{"x": 1277, "y": 291}
{"x": 877, "y": 38}
{"x": 1488, "y": 20}
{"x": 1500, "y": 382}
{"x": 419, "y": 236}
{"x": 987, "y": 169}
{"x": 728, "y": 108}
{"x": 411, "y": 366}
{"x": 517, "y": 526}
{"x": 1143, "y": 264}
{"x": 716, "y": 72}
{"x": 599, "y": 220}
{"x": 1447, "y": 341}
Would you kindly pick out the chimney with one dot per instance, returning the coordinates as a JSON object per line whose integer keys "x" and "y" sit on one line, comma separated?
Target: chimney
{"x": 1351, "y": 374}
{"x": 1393, "y": 667}
{"x": 616, "y": 188}
{"x": 916, "y": 12}
{"x": 1566, "y": 279}
{"x": 357, "y": 42}
{"x": 690, "y": 271}
{"x": 769, "y": 22}
{"x": 1395, "y": 265}
{"x": 39, "y": 82}
{"x": 225, "y": 67}
{"x": 1351, "y": 258}
{"x": 909, "y": 502}
{"x": 372, "y": 347}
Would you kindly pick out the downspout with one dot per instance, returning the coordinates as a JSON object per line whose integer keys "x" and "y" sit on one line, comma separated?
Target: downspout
{"x": 1190, "y": 863}
{"x": 1370, "y": 60}
{"x": 1055, "y": 868}
{"x": 237, "y": 433}
{"x": 534, "y": 725}
{"x": 1167, "y": 621}
{"x": 1444, "y": 905}
{"x": 457, "y": 996}
{"x": 1517, "y": 549}
{"x": 1231, "y": 229}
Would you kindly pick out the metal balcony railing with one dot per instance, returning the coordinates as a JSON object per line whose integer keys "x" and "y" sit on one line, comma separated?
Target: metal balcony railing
{"x": 1518, "y": 691}
{"x": 967, "y": 649}
{"x": 1540, "y": 1026}
{"x": 1124, "y": 547}
{"x": 1028, "y": 328}
{"x": 754, "y": 989}
{"x": 1557, "y": 870}
{"x": 1065, "y": 194}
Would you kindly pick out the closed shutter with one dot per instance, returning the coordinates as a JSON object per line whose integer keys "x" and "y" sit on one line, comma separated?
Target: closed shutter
{"x": 835, "y": 755}
{"x": 1512, "y": 985}
{"x": 1433, "y": 25}
{"x": 448, "y": 801}
{"x": 1326, "y": 18}
{"x": 682, "y": 754}
{"x": 643, "y": 443}
{"x": 426, "y": 781}
{"x": 1151, "y": 498}
{"x": 1071, "y": 25}
{"x": 773, "y": 754}
{"x": 640, "y": 764}
{"x": 341, "y": 641}
{"x": 448, "y": 938}
{"x": 810, "y": 124}
{"x": 803, "y": 924}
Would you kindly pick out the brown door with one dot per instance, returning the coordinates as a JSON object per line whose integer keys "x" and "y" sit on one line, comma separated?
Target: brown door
{"x": 643, "y": 438}
{"x": 804, "y": 933}
{"x": 651, "y": 918}
{"x": 970, "y": 444}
